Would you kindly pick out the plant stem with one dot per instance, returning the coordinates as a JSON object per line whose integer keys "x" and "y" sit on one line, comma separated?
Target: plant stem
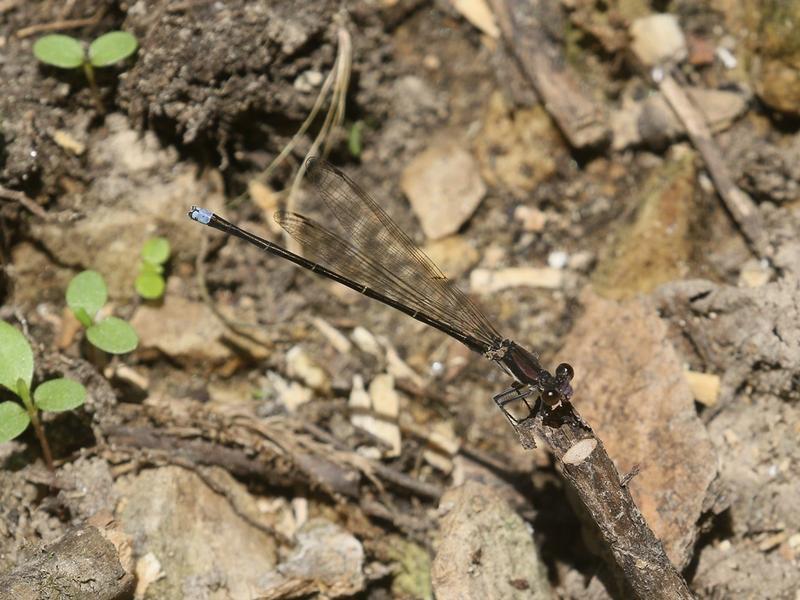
{"x": 39, "y": 429}
{"x": 88, "y": 69}
{"x": 33, "y": 413}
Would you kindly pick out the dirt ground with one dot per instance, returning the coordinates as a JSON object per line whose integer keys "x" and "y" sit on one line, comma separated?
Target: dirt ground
{"x": 616, "y": 184}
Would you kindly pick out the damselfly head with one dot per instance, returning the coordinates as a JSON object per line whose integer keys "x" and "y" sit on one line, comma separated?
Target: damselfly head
{"x": 557, "y": 389}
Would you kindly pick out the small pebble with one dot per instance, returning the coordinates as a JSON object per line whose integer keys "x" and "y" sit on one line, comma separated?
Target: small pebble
{"x": 705, "y": 387}
{"x": 558, "y": 259}
{"x": 658, "y": 39}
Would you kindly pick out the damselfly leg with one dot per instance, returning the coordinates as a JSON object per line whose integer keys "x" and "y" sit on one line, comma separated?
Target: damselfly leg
{"x": 519, "y": 392}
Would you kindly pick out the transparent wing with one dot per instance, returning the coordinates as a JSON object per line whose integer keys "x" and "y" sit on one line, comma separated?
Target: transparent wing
{"x": 379, "y": 255}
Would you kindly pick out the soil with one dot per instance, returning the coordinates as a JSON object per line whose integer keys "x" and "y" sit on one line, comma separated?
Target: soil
{"x": 276, "y": 435}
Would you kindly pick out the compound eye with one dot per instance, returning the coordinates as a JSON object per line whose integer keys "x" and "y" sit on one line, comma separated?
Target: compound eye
{"x": 550, "y": 397}
{"x": 564, "y": 372}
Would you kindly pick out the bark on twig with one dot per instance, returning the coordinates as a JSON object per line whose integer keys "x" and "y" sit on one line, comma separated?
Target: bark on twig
{"x": 84, "y": 563}
{"x": 582, "y": 121}
{"x": 638, "y": 555}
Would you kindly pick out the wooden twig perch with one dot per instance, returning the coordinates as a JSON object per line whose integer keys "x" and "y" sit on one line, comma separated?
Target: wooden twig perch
{"x": 638, "y": 555}
{"x": 582, "y": 121}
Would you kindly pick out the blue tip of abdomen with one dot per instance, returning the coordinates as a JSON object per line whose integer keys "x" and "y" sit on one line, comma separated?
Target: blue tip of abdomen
{"x": 201, "y": 215}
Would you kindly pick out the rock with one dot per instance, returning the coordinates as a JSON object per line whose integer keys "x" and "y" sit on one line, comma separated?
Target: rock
{"x": 190, "y": 530}
{"x": 453, "y": 255}
{"x": 656, "y": 246}
{"x": 479, "y": 14}
{"x": 148, "y": 571}
{"x": 66, "y": 140}
{"x": 327, "y": 561}
{"x": 751, "y": 336}
{"x": 631, "y": 386}
{"x": 290, "y": 393}
{"x": 443, "y": 445}
{"x": 300, "y": 365}
{"x": 308, "y": 81}
{"x": 701, "y": 50}
{"x": 86, "y": 487}
{"x": 376, "y": 412}
{"x": 336, "y": 338}
{"x": 775, "y": 64}
{"x": 186, "y": 331}
{"x": 532, "y": 218}
{"x": 517, "y": 148}
{"x": 558, "y": 259}
{"x": 397, "y": 367}
{"x": 658, "y": 39}
{"x": 366, "y": 342}
{"x": 754, "y": 274}
{"x": 653, "y": 121}
{"x": 484, "y": 549}
{"x": 487, "y": 281}
{"x": 769, "y": 171}
{"x": 444, "y": 188}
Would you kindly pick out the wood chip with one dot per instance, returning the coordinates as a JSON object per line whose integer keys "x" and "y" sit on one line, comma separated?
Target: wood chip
{"x": 487, "y": 281}
{"x": 705, "y": 387}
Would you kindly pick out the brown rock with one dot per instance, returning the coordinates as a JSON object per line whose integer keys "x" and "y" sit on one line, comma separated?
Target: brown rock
{"x": 327, "y": 560}
{"x": 655, "y": 247}
{"x": 485, "y": 551}
{"x": 453, "y": 255}
{"x": 630, "y": 385}
{"x": 517, "y": 148}
{"x": 191, "y": 529}
{"x": 184, "y": 330}
{"x": 444, "y": 188}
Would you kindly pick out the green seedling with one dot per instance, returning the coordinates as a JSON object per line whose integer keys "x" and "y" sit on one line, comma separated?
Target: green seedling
{"x": 150, "y": 282}
{"x": 86, "y": 295}
{"x": 354, "y": 138}
{"x": 66, "y": 52}
{"x": 16, "y": 374}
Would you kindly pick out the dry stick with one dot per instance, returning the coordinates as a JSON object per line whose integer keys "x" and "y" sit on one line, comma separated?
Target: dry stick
{"x": 580, "y": 119}
{"x": 16, "y": 196}
{"x": 62, "y": 25}
{"x": 585, "y": 464}
{"x": 739, "y": 204}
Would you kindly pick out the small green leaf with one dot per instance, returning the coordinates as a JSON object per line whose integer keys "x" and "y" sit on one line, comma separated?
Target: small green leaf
{"x": 113, "y": 335}
{"x": 156, "y": 250}
{"x": 150, "y": 285}
{"x": 87, "y": 290}
{"x": 59, "y": 394}
{"x": 83, "y": 317}
{"x": 354, "y": 138}
{"x": 59, "y": 50}
{"x": 148, "y": 267}
{"x": 13, "y": 420}
{"x": 16, "y": 357}
{"x": 112, "y": 47}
